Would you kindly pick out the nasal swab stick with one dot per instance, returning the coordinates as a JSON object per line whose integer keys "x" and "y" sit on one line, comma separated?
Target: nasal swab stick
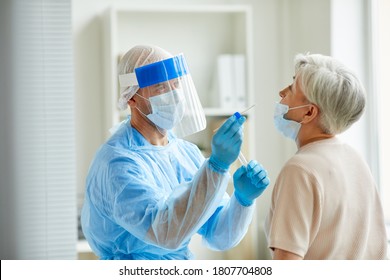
{"x": 247, "y": 109}
{"x": 242, "y": 159}
{"x": 241, "y": 113}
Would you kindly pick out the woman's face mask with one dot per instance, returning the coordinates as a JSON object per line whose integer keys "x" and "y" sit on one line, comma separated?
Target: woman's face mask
{"x": 288, "y": 128}
{"x": 167, "y": 109}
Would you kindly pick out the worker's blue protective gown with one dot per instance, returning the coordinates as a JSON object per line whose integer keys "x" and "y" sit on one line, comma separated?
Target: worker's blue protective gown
{"x": 146, "y": 202}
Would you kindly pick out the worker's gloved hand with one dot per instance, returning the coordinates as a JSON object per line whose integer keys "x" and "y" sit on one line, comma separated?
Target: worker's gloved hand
{"x": 250, "y": 182}
{"x": 226, "y": 142}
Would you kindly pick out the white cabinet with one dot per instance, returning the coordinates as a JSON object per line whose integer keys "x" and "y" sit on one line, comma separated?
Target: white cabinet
{"x": 202, "y": 33}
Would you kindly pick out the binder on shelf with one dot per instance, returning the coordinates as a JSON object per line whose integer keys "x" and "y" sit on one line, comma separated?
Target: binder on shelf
{"x": 225, "y": 83}
{"x": 230, "y": 81}
{"x": 239, "y": 81}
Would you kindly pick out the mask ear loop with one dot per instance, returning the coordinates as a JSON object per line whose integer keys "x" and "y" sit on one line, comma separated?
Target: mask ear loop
{"x": 130, "y": 79}
{"x": 150, "y": 106}
{"x": 302, "y": 106}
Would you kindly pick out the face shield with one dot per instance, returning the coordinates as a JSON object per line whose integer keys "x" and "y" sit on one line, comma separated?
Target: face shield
{"x": 171, "y": 100}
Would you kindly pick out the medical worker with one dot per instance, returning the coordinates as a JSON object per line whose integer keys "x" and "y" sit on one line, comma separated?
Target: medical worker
{"x": 325, "y": 203}
{"x": 148, "y": 191}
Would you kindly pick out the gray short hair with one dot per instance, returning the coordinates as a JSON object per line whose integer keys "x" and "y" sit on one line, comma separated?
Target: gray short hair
{"x": 334, "y": 88}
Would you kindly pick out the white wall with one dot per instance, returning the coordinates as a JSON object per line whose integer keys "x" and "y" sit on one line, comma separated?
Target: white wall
{"x": 350, "y": 45}
{"x": 305, "y": 28}
{"x": 321, "y": 26}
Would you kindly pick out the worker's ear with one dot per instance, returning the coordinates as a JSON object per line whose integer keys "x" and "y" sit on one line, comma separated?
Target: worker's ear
{"x": 132, "y": 102}
{"x": 311, "y": 114}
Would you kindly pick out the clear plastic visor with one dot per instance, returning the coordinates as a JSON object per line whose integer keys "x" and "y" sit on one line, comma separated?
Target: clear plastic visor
{"x": 171, "y": 96}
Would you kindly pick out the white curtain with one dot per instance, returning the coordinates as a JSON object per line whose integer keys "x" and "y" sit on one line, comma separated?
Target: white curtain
{"x": 38, "y": 217}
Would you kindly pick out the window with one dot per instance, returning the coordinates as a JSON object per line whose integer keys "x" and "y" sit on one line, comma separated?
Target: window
{"x": 37, "y": 147}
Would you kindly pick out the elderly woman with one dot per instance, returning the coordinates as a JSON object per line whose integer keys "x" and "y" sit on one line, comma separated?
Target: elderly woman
{"x": 325, "y": 203}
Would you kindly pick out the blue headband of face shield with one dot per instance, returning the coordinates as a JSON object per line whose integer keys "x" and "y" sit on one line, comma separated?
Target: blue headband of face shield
{"x": 161, "y": 71}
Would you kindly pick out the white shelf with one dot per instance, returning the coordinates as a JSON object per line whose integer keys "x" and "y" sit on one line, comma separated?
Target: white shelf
{"x": 182, "y": 8}
{"x": 83, "y": 246}
{"x": 202, "y": 33}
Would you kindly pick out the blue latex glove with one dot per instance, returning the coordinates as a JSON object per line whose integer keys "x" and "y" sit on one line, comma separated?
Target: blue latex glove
{"x": 250, "y": 182}
{"x": 226, "y": 143}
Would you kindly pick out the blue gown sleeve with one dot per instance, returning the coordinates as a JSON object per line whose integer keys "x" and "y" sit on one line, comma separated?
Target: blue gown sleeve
{"x": 164, "y": 221}
{"x": 228, "y": 226}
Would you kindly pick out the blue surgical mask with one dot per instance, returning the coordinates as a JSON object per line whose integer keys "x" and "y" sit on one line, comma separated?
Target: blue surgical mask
{"x": 288, "y": 128}
{"x": 167, "y": 109}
